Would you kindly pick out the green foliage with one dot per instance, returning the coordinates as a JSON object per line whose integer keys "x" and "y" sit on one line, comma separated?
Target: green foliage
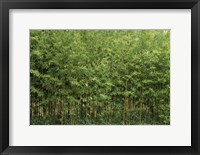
{"x": 106, "y": 77}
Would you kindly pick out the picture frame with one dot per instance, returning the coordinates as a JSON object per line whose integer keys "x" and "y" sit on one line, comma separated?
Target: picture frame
{"x": 5, "y": 5}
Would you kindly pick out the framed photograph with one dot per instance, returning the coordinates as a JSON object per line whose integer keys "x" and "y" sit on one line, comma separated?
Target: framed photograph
{"x": 101, "y": 77}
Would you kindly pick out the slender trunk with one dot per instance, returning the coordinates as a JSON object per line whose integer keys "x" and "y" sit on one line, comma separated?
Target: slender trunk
{"x": 141, "y": 106}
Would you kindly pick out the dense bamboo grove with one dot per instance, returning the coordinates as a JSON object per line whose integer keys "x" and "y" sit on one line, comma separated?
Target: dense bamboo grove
{"x": 102, "y": 77}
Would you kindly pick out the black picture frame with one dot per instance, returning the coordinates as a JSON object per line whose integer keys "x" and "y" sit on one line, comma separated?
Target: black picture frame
{"x": 5, "y": 5}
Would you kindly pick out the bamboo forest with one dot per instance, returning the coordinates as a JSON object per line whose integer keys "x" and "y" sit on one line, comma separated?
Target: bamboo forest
{"x": 99, "y": 77}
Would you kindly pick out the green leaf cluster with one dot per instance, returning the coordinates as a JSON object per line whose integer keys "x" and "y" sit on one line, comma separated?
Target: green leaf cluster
{"x": 100, "y": 77}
